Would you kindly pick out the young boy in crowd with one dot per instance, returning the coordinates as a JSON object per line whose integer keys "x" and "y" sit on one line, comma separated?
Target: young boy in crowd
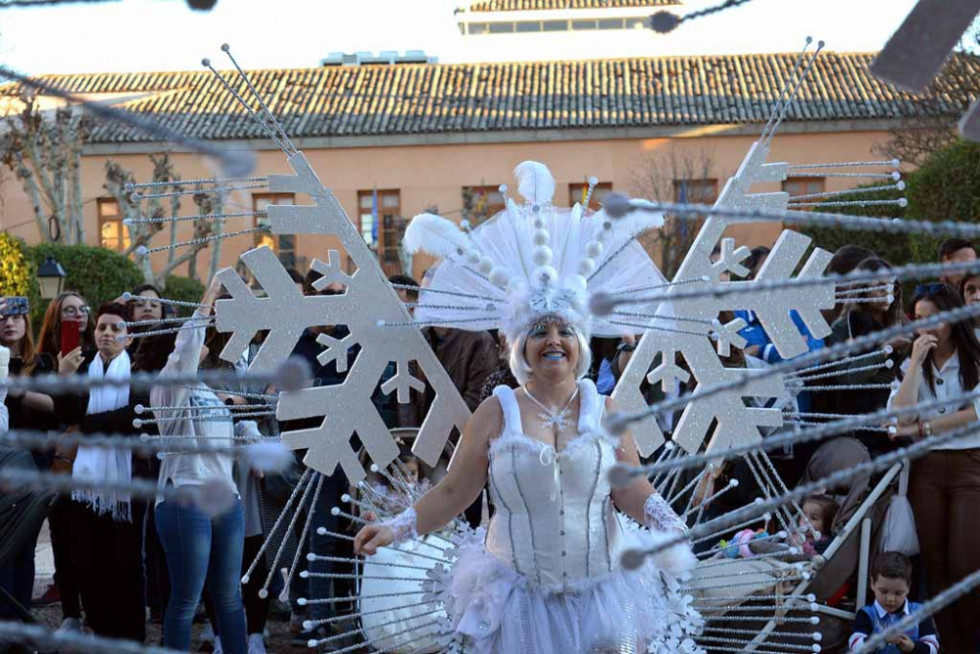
{"x": 891, "y": 578}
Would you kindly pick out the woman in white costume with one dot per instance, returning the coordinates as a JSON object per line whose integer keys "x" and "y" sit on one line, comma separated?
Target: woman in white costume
{"x": 547, "y": 577}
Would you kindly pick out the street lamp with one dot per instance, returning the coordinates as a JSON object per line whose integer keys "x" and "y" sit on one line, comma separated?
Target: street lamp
{"x": 51, "y": 278}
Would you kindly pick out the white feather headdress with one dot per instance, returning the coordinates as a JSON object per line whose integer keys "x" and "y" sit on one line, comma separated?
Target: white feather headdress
{"x": 534, "y": 261}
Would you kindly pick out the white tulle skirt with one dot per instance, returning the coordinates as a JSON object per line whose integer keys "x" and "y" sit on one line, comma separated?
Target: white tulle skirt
{"x": 496, "y": 610}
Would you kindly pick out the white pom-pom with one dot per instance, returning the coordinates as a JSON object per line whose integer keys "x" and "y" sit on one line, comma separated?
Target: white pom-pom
{"x": 593, "y": 249}
{"x": 127, "y": 296}
{"x": 246, "y": 579}
{"x": 311, "y": 557}
{"x": 311, "y": 643}
{"x": 889, "y": 298}
{"x": 602, "y": 303}
{"x": 139, "y": 409}
{"x": 902, "y": 202}
{"x": 485, "y": 265}
{"x": 896, "y": 175}
{"x": 814, "y": 620}
{"x": 502, "y": 188}
{"x": 308, "y": 625}
{"x": 499, "y": 277}
{"x": 127, "y": 221}
{"x": 305, "y": 574}
{"x": 900, "y": 186}
{"x": 733, "y": 483}
{"x": 817, "y": 636}
{"x": 542, "y": 255}
{"x": 335, "y": 511}
{"x": 374, "y": 468}
{"x": 301, "y": 601}
{"x": 888, "y": 349}
{"x": 541, "y": 237}
{"x": 593, "y": 180}
{"x": 676, "y": 559}
{"x": 586, "y": 266}
{"x": 321, "y": 531}
{"x": 263, "y": 593}
{"x": 616, "y": 205}
{"x": 142, "y": 250}
{"x": 545, "y": 276}
{"x": 137, "y": 423}
{"x": 473, "y": 256}
{"x": 269, "y": 456}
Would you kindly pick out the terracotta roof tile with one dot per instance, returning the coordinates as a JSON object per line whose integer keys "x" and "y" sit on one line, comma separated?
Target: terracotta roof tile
{"x": 497, "y": 97}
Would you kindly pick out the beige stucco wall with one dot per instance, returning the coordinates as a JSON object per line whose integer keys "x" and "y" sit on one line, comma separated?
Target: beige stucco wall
{"x": 434, "y": 175}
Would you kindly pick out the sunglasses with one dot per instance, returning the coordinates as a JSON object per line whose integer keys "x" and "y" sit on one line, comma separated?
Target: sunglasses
{"x": 935, "y": 288}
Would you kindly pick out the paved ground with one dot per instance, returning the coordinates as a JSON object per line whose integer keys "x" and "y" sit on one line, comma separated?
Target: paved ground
{"x": 279, "y": 639}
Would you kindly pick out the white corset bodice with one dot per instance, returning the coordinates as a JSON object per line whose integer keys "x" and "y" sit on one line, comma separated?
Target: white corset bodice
{"x": 555, "y": 522}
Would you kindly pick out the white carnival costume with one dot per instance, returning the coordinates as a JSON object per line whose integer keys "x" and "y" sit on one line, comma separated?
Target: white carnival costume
{"x": 546, "y": 576}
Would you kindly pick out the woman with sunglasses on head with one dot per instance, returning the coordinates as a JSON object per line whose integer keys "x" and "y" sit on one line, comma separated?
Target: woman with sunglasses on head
{"x": 945, "y": 484}
{"x": 26, "y": 410}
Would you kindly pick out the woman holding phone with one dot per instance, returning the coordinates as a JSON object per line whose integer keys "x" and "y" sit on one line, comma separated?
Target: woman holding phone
{"x": 68, "y": 330}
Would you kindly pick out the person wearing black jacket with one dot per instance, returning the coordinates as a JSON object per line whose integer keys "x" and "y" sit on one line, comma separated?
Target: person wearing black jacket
{"x": 107, "y": 525}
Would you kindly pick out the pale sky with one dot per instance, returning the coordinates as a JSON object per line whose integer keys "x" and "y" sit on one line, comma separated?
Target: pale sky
{"x": 144, "y": 35}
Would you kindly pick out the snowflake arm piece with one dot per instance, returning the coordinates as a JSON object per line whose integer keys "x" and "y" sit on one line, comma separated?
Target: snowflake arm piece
{"x": 245, "y": 314}
{"x": 728, "y": 336}
{"x": 668, "y": 373}
{"x": 404, "y": 382}
{"x": 773, "y": 308}
{"x": 730, "y": 260}
{"x": 331, "y": 271}
{"x": 336, "y": 350}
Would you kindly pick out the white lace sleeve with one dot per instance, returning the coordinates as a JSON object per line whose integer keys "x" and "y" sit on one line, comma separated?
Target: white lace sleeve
{"x": 659, "y": 516}
{"x": 405, "y": 525}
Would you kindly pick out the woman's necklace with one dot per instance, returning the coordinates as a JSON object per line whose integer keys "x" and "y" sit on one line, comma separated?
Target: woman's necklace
{"x": 554, "y": 416}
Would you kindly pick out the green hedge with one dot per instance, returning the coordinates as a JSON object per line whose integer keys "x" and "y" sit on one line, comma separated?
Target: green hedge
{"x": 947, "y": 186}
{"x": 184, "y": 289}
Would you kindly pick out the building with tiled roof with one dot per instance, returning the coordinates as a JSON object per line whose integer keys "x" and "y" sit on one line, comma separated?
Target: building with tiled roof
{"x": 553, "y": 5}
{"x": 499, "y": 101}
{"x": 394, "y": 140}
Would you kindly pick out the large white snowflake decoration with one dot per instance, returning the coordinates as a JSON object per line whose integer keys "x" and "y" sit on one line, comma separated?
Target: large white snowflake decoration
{"x": 703, "y": 338}
{"x": 367, "y": 301}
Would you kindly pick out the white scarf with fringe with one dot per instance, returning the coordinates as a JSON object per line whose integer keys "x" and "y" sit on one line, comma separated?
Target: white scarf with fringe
{"x": 108, "y": 465}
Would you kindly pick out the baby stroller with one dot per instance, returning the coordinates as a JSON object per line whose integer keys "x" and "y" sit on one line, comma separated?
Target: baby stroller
{"x": 818, "y": 605}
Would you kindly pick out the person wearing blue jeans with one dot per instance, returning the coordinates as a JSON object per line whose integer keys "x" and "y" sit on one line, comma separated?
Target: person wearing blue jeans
{"x": 200, "y": 548}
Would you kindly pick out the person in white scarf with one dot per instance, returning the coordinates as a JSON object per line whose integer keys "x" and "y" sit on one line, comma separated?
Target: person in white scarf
{"x": 106, "y": 524}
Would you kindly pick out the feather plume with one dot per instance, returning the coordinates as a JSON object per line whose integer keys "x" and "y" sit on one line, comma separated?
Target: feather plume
{"x": 435, "y": 235}
{"x": 534, "y": 182}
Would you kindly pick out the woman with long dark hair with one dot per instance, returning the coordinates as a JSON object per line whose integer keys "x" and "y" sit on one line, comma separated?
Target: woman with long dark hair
{"x": 874, "y": 309}
{"x": 945, "y": 483}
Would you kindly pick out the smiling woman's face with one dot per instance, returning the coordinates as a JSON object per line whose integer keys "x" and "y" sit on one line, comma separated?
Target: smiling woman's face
{"x": 552, "y": 350}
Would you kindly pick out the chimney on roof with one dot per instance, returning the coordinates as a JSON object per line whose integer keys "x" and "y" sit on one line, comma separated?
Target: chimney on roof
{"x": 384, "y": 58}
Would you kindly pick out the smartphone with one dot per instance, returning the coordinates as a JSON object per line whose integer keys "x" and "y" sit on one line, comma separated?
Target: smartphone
{"x": 70, "y": 335}
{"x": 16, "y": 306}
